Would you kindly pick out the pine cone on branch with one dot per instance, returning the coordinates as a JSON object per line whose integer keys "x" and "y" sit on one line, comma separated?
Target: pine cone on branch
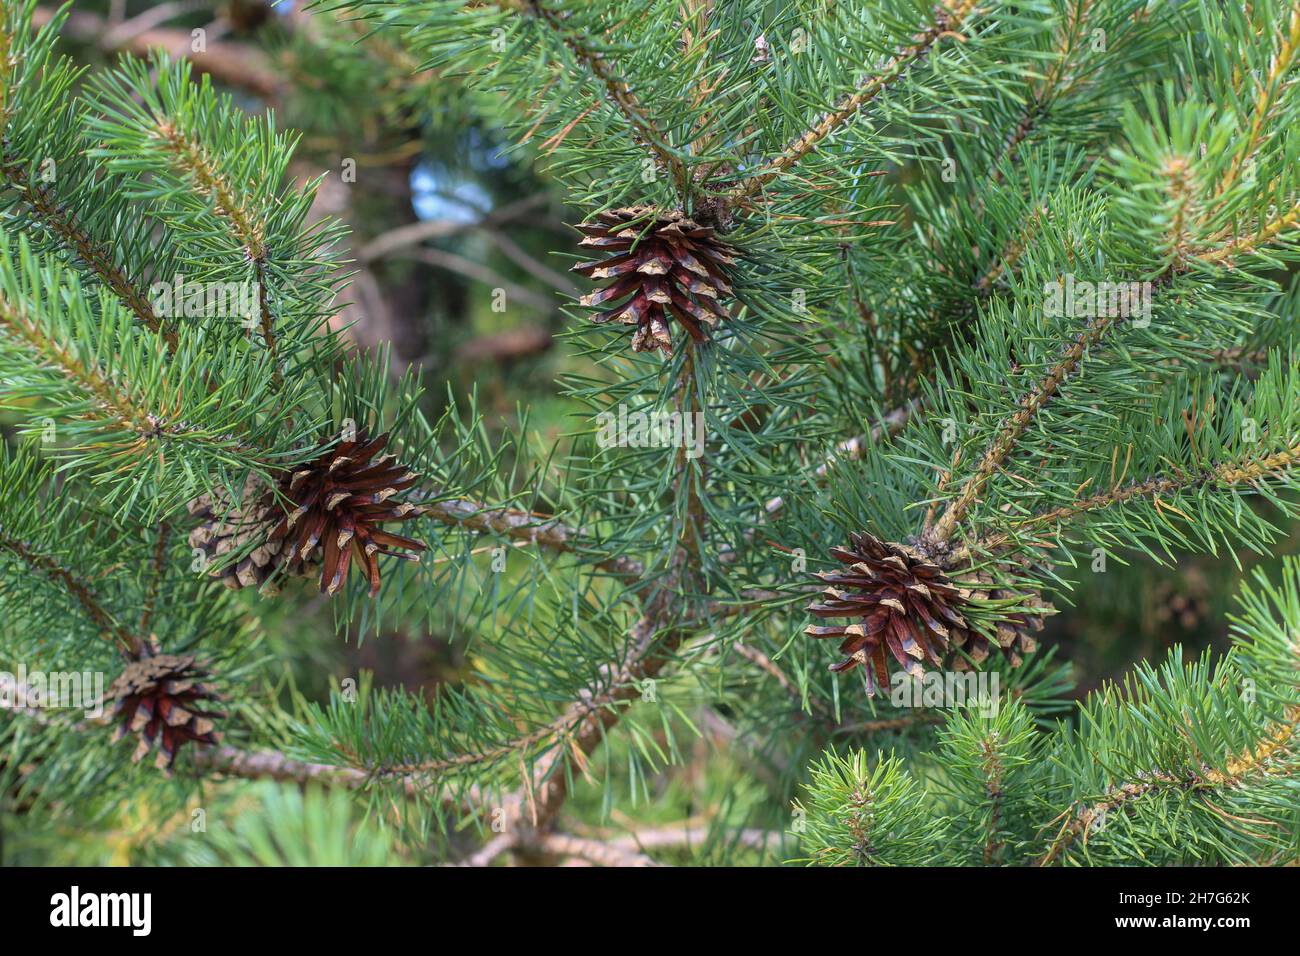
{"x": 162, "y": 699}
{"x": 661, "y": 265}
{"x": 1012, "y": 635}
{"x": 909, "y": 611}
{"x": 322, "y": 517}
{"x": 340, "y": 500}
{"x": 225, "y": 527}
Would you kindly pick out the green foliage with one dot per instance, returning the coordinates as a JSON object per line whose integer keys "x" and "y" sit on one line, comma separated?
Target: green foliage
{"x": 1188, "y": 763}
{"x": 278, "y": 825}
{"x": 860, "y": 814}
{"x": 911, "y": 187}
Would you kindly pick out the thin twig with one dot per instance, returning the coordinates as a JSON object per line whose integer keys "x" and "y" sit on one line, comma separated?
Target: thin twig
{"x": 120, "y": 34}
{"x": 946, "y": 22}
{"x": 542, "y": 530}
{"x": 470, "y": 268}
{"x": 593, "y": 851}
{"x": 413, "y": 234}
{"x": 687, "y": 835}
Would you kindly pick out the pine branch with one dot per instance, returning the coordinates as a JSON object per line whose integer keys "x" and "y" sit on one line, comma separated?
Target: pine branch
{"x": 1280, "y": 741}
{"x": 582, "y": 727}
{"x": 1267, "y": 231}
{"x": 618, "y": 92}
{"x": 118, "y": 401}
{"x": 74, "y": 586}
{"x": 946, "y": 22}
{"x": 992, "y": 767}
{"x": 97, "y": 256}
{"x": 122, "y": 404}
{"x": 1003, "y": 444}
{"x": 1224, "y": 475}
{"x": 224, "y": 761}
{"x": 1005, "y": 441}
{"x": 1266, "y": 101}
{"x": 1054, "y": 84}
{"x": 272, "y": 765}
{"x": 652, "y": 641}
{"x": 192, "y": 160}
{"x": 1010, "y": 253}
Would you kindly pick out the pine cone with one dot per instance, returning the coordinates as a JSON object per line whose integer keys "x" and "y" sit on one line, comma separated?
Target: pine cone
{"x": 661, "y": 264}
{"x": 226, "y": 527}
{"x": 340, "y": 500}
{"x": 909, "y": 609}
{"x": 1013, "y": 633}
{"x": 161, "y": 698}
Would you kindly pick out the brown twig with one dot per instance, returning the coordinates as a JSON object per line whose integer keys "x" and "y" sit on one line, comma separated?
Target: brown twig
{"x": 473, "y": 269}
{"x": 542, "y": 530}
{"x": 231, "y": 63}
{"x": 593, "y": 851}
{"x": 686, "y": 835}
{"x": 156, "y": 569}
{"x": 505, "y": 347}
{"x": 413, "y": 234}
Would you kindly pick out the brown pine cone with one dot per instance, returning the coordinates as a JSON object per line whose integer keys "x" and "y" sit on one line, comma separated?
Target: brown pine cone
{"x": 226, "y": 527}
{"x": 161, "y": 698}
{"x": 318, "y": 519}
{"x": 1013, "y": 634}
{"x": 341, "y": 499}
{"x": 661, "y": 265}
{"x": 909, "y": 611}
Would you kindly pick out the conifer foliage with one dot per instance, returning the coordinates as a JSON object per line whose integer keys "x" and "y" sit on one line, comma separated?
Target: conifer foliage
{"x": 960, "y": 309}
